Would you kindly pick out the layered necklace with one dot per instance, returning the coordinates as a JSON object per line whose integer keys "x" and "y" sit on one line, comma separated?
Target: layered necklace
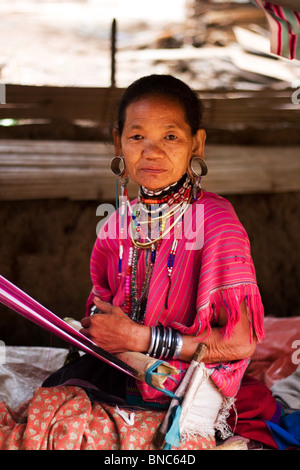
{"x": 154, "y": 216}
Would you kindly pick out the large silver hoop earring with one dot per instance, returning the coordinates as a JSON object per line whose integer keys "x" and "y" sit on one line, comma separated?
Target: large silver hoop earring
{"x": 197, "y": 167}
{"x": 118, "y": 167}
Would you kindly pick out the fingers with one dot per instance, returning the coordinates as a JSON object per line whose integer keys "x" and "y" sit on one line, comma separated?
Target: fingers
{"x": 104, "y": 307}
{"x": 85, "y": 322}
{"x": 89, "y": 323}
{"x": 106, "y": 328}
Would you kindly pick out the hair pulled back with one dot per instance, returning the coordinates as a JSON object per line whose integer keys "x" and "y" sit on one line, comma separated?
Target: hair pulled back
{"x": 164, "y": 85}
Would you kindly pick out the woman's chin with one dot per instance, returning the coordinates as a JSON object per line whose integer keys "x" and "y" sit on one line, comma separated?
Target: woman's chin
{"x": 154, "y": 182}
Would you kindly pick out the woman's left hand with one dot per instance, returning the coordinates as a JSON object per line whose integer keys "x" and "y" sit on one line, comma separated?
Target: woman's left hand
{"x": 114, "y": 331}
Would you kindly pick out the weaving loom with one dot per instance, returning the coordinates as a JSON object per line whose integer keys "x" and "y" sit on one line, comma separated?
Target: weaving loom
{"x": 134, "y": 364}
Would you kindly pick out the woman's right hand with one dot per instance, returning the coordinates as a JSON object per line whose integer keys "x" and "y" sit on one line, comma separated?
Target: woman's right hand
{"x": 114, "y": 331}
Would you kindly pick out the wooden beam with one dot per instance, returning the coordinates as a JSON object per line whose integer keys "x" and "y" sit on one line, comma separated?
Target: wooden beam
{"x": 81, "y": 170}
{"x": 247, "y": 169}
{"x": 223, "y": 109}
{"x": 42, "y": 102}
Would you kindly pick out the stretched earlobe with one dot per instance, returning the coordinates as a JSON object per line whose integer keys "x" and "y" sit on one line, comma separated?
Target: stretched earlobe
{"x": 118, "y": 167}
{"x": 197, "y": 167}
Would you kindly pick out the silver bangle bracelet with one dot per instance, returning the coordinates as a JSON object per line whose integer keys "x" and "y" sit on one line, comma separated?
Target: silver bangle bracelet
{"x": 179, "y": 344}
{"x": 165, "y": 343}
{"x": 157, "y": 341}
{"x": 152, "y": 340}
{"x": 169, "y": 338}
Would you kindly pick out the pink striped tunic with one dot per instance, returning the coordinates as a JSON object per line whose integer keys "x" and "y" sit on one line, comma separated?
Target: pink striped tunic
{"x": 212, "y": 269}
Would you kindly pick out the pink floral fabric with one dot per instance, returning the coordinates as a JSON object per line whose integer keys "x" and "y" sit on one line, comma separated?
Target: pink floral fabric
{"x": 63, "y": 418}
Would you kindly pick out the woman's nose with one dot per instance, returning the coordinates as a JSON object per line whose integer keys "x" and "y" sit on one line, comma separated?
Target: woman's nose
{"x": 152, "y": 149}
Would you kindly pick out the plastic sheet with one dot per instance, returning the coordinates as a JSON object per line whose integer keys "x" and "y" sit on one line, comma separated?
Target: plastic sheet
{"x": 276, "y": 357}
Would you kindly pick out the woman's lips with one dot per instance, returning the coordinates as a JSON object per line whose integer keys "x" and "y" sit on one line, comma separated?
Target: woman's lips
{"x": 152, "y": 170}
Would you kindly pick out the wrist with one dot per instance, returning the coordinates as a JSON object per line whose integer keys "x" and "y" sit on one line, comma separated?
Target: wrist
{"x": 140, "y": 338}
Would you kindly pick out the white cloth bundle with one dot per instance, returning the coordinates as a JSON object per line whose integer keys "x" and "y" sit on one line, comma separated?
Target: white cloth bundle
{"x": 204, "y": 408}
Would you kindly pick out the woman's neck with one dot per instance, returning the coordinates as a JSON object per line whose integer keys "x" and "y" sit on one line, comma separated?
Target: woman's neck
{"x": 161, "y": 193}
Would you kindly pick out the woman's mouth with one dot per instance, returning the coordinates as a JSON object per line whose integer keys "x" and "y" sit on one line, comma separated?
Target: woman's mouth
{"x": 149, "y": 169}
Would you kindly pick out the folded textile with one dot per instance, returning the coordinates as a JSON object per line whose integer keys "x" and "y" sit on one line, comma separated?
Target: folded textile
{"x": 254, "y": 406}
{"x": 287, "y": 391}
{"x": 258, "y": 417}
{"x": 284, "y": 25}
{"x": 287, "y": 432}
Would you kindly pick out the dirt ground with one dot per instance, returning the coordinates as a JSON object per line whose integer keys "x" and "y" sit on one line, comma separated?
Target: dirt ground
{"x": 68, "y": 43}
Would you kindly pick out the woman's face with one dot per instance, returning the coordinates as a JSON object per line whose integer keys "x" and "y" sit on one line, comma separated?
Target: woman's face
{"x": 156, "y": 142}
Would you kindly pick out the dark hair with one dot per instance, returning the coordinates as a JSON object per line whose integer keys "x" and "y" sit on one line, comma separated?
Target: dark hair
{"x": 165, "y": 85}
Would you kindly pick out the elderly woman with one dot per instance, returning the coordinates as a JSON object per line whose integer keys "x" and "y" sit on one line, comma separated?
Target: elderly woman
{"x": 171, "y": 269}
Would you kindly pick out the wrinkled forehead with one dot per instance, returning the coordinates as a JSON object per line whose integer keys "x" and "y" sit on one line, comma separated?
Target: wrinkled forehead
{"x": 156, "y": 105}
{"x": 155, "y": 97}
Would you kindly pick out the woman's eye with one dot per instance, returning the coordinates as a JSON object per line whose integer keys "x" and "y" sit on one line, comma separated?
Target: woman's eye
{"x": 137, "y": 137}
{"x": 171, "y": 137}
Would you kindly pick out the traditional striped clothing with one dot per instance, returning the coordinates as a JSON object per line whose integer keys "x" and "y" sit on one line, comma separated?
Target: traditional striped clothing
{"x": 212, "y": 269}
{"x": 284, "y": 29}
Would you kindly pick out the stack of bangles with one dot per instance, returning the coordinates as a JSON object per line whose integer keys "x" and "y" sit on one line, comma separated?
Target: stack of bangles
{"x": 166, "y": 343}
